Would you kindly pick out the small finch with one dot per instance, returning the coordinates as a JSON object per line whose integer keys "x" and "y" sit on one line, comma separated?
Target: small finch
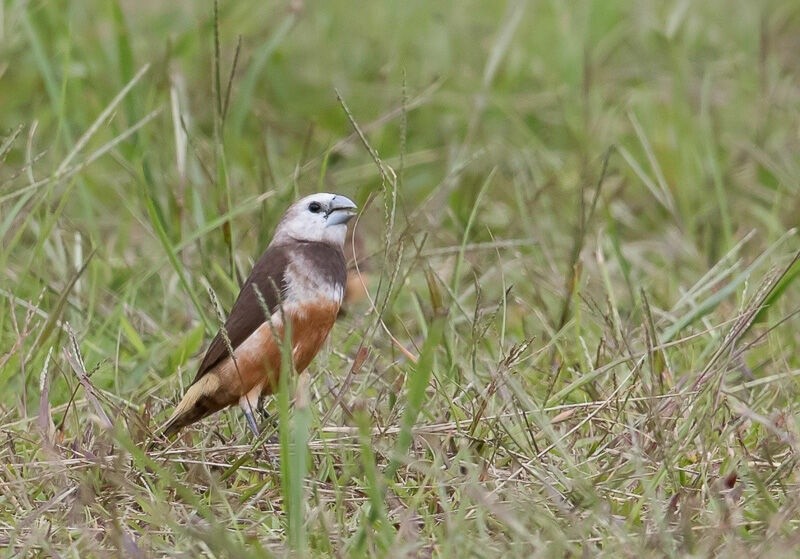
{"x": 300, "y": 279}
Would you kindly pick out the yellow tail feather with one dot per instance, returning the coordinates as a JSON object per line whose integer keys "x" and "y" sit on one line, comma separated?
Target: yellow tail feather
{"x": 194, "y": 406}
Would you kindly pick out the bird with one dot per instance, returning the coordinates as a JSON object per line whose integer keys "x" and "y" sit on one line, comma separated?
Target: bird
{"x": 300, "y": 279}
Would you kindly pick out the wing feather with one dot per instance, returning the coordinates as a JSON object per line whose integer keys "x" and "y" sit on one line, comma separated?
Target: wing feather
{"x": 247, "y": 313}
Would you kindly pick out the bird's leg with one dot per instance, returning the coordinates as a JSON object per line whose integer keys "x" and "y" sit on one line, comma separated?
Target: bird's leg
{"x": 252, "y": 402}
{"x": 251, "y": 422}
{"x": 249, "y": 404}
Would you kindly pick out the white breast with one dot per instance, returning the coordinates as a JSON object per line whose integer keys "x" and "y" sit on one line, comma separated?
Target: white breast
{"x": 304, "y": 286}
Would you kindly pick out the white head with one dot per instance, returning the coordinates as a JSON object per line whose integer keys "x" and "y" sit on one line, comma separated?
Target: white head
{"x": 320, "y": 217}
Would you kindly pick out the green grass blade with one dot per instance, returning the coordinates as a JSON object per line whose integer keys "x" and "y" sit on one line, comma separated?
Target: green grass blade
{"x": 156, "y": 219}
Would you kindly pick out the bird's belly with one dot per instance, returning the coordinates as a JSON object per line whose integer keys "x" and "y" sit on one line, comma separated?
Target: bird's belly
{"x": 255, "y": 361}
{"x": 258, "y": 358}
{"x": 310, "y": 326}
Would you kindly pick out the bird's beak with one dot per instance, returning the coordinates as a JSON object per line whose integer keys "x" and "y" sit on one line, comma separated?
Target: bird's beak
{"x": 340, "y": 211}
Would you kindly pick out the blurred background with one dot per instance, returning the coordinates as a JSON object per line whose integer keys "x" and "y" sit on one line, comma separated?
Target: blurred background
{"x": 576, "y": 182}
{"x": 517, "y": 104}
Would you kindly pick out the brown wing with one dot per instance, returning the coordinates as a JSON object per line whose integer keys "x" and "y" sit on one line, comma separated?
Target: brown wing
{"x": 247, "y": 313}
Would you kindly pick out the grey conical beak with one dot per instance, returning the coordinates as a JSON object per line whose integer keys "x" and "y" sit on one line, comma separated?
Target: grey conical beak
{"x": 341, "y": 210}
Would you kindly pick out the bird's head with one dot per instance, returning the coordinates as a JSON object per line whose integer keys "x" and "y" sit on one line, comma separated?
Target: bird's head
{"x": 320, "y": 217}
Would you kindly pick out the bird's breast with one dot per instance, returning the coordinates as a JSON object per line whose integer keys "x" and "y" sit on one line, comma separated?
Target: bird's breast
{"x": 313, "y": 288}
{"x": 308, "y": 282}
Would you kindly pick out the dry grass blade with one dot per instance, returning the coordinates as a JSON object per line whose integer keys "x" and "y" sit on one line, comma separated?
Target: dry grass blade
{"x": 45, "y": 416}
{"x": 72, "y": 353}
{"x": 70, "y": 172}
{"x": 713, "y": 300}
{"x": 737, "y": 330}
{"x": 355, "y": 368}
{"x": 54, "y": 316}
{"x": 102, "y": 117}
{"x": 8, "y": 141}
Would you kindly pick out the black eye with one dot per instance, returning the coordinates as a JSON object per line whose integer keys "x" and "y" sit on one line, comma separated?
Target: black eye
{"x": 314, "y": 207}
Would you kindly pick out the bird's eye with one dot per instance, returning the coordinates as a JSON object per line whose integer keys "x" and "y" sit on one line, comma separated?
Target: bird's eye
{"x": 314, "y": 207}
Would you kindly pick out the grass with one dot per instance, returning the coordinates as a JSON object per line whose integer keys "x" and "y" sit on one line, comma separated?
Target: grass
{"x": 579, "y": 244}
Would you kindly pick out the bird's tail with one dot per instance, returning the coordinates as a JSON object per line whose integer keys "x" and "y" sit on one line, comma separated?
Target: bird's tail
{"x": 194, "y": 406}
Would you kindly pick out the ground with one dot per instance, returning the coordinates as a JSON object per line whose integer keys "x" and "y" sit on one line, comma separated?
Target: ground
{"x": 577, "y": 331}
